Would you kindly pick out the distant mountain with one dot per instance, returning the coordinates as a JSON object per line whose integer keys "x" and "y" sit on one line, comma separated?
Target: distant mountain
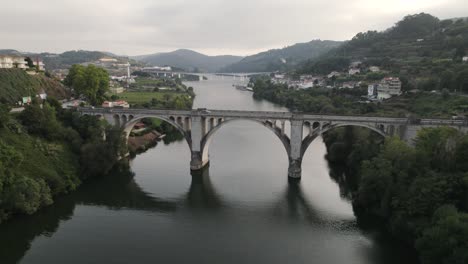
{"x": 282, "y": 59}
{"x": 9, "y": 52}
{"x": 189, "y": 60}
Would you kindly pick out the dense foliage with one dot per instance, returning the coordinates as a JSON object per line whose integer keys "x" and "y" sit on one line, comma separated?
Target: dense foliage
{"x": 47, "y": 151}
{"x": 91, "y": 82}
{"x": 417, "y": 194}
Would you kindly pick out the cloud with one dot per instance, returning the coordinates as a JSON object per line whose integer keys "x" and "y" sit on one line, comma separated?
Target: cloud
{"x": 211, "y": 26}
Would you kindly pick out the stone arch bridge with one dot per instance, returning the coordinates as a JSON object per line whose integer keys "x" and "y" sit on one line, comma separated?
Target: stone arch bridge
{"x": 198, "y": 127}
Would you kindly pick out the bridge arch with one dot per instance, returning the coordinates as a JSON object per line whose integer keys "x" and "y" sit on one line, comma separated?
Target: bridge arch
{"x": 310, "y": 138}
{"x": 170, "y": 120}
{"x": 205, "y": 143}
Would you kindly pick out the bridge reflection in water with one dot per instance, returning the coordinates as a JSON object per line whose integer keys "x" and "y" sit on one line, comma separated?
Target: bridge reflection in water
{"x": 123, "y": 193}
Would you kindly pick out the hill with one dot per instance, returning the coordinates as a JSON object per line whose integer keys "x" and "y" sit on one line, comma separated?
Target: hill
{"x": 16, "y": 83}
{"x": 189, "y": 60}
{"x": 9, "y": 52}
{"x": 68, "y": 58}
{"x": 65, "y": 60}
{"x": 283, "y": 59}
{"x": 421, "y": 49}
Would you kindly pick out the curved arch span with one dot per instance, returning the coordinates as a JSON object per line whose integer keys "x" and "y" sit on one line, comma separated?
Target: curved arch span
{"x": 310, "y": 138}
{"x": 205, "y": 144}
{"x": 131, "y": 123}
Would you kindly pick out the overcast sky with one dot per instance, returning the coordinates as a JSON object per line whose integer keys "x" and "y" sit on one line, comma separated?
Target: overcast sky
{"x": 238, "y": 27}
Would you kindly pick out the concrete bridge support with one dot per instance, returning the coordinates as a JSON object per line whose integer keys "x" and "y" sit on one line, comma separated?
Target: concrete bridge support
{"x": 295, "y": 155}
{"x": 198, "y": 160}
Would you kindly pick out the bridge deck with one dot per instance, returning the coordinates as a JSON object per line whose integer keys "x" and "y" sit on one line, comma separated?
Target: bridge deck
{"x": 269, "y": 115}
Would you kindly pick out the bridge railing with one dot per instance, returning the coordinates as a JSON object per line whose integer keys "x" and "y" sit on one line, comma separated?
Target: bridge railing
{"x": 273, "y": 115}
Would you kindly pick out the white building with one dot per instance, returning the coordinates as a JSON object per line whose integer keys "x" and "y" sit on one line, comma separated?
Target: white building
{"x": 39, "y": 65}
{"x": 353, "y": 71}
{"x": 11, "y": 61}
{"x": 374, "y": 69}
{"x": 388, "y": 87}
{"x": 119, "y": 104}
{"x": 465, "y": 59}
{"x": 305, "y": 85}
{"x": 355, "y": 64}
{"x": 107, "y": 60}
{"x": 348, "y": 85}
{"x": 333, "y": 74}
{"x": 279, "y": 76}
{"x": 372, "y": 90}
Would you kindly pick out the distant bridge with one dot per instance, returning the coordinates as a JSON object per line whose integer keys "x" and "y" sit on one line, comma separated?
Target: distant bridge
{"x": 200, "y": 75}
{"x": 198, "y": 127}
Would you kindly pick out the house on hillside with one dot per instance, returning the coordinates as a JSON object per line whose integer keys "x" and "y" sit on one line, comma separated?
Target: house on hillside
{"x": 348, "y": 85}
{"x": 13, "y": 61}
{"x": 40, "y": 66}
{"x": 353, "y": 71}
{"x": 355, "y": 64}
{"x": 374, "y": 69}
{"x": 465, "y": 59}
{"x": 119, "y": 104}
{"x": 388, "y": 87}
{"x": 333, "y": 74}
{"x": 279, "y": 76}
{"x": 372, "y": 91}
{"x": 107, "y": 60}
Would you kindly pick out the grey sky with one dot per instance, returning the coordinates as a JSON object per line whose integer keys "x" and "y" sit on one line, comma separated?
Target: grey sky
{"x": 239, "y": 27}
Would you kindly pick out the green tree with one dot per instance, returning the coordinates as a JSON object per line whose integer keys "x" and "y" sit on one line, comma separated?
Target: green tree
{"x": 91, "y": 82}
{"x": 30, "y": 62}
{"x": 446, "y": 240}
{"x": 462, "y": 80}
{"x": 4, "y": 115}
{"x": 447, "y": 80}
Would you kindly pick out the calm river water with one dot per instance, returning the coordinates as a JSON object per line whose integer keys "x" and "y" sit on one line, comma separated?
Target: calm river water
{"x": 240, "y": 210}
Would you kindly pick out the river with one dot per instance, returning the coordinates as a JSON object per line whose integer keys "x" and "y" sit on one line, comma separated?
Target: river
{"x": 240, "y": 210}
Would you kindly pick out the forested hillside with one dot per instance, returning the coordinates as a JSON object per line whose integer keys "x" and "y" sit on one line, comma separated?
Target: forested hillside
{"x": 16, "y": 83}
{"x": 69, "y": 58}
{"x": 425, "y": 52}
{"x": 282, "y": 59}
{"x": 189, "y": 60}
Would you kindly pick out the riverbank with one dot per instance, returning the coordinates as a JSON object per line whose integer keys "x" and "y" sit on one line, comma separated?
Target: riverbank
{"x": 141, "y": 143}
{"x": 417, "y": 194}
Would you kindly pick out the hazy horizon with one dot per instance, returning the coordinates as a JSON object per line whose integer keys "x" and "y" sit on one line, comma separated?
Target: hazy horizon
{"x": 211, "y": 27}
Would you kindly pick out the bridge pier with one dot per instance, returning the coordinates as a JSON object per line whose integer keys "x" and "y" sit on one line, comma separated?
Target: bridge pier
{"x": 295, "y": 169}
{"x": 295, "y": 153}
{"x": 197, "y": 162}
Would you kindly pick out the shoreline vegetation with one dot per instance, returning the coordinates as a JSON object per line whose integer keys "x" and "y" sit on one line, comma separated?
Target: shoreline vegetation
{"x": 47, "y": 151}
